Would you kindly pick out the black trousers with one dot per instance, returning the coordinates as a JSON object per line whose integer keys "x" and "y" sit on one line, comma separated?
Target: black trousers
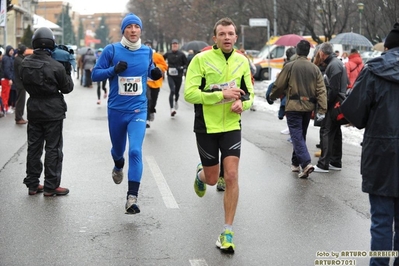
{"x": 330, "y": 143}
{"x": 87, "y": 80}
{"x": 174, "y": 85}
{"x": 48, "y": 135}
{"x": 20, "y": 103}
{"x": 152, "y": 97}
{"x": 101, "y": 85}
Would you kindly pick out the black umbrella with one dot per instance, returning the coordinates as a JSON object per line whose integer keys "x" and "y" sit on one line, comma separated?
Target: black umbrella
{"x": 196, "y": 46}
{"x": 83, "y": 50}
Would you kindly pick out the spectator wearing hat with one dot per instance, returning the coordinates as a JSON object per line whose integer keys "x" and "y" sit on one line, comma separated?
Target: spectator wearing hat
{"x": 373, "y": 105}
{"x": 21, "y": 93}
{"x": 177, "y": 63}
{"x": 7, "y": 64}
{"x": 128, "y": 65}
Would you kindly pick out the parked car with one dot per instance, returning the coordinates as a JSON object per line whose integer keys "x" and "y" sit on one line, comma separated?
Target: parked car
{"x": 272, "y": 56}
{"x": 252, "y": 53}
{"x": 366, "y": 56}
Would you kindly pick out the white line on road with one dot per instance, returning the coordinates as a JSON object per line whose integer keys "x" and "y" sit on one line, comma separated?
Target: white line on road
{"x": 198, "y": 262}
{"x": 163, "y": 187}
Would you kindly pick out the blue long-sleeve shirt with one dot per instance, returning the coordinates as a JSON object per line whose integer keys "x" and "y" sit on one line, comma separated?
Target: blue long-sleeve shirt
{"x": 128, "y": 88}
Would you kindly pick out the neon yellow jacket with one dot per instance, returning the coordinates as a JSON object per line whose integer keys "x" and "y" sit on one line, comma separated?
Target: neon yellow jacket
{"x": 208, "y": 73}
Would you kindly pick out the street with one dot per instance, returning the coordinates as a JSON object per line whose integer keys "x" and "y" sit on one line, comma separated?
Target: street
{"x": 280, "y": 220}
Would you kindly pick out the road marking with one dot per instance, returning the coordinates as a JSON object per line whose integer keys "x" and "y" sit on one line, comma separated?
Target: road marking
{"x": 163, "y": 187}
{"x": 199, "y": 262}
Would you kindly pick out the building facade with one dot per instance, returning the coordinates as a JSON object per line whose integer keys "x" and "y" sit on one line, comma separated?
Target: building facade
{"x": 18, "y": 18}
{"x": 22, "y": 15}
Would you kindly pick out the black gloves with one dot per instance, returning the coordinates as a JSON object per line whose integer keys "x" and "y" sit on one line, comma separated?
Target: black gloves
{"x": 120, "y": 67}
{"x": 156, "y": 74}
{"x": 269, "y": 101}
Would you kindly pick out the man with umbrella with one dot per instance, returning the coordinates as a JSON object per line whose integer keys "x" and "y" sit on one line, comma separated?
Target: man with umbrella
{"x": 177, "y": 62}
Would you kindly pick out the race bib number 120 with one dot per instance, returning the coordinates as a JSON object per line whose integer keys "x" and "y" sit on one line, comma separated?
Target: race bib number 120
{"x": 130, "y": 86}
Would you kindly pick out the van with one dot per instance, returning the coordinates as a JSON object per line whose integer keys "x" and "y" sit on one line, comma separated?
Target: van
{"x": 271, "y": 57}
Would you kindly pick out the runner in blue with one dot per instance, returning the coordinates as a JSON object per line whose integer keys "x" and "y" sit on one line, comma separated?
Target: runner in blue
{"x": 127, "y": 64}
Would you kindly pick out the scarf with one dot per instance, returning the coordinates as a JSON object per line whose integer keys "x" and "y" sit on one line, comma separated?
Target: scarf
{"x": 130, "y": 45}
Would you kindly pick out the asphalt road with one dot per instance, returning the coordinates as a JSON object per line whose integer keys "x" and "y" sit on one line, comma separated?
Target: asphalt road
{"x": 280, "y": 220}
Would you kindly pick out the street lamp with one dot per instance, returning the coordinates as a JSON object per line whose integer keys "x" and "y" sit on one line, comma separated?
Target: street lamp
{"x": 360, "y": 7}
{"x": 320, "y": 10}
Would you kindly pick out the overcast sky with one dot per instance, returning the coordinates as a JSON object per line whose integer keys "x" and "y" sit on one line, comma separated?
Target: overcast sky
{"x": 90, "y": 6}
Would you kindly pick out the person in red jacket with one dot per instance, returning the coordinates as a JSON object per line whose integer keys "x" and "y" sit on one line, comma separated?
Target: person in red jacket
{"x": 7, "y": 64}
{"x": 353, "y": 68}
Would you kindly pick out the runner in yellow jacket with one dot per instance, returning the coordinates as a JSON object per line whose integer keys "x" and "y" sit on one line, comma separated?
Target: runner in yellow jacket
{"x": 219, "y": 84}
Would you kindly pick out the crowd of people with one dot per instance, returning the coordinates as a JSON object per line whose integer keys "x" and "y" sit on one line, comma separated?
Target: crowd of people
{"x": 135, "y": 72}
{"x": 366, "y": 96}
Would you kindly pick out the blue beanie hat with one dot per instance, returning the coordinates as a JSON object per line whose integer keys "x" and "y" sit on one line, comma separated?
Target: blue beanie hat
{"x": 131, "y": 19}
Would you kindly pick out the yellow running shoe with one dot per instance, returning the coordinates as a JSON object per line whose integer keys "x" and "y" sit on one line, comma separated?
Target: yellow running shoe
{"x": 225, "y": 241}
{"x": 199, "y": 186}
{"x": 221, "y": 185}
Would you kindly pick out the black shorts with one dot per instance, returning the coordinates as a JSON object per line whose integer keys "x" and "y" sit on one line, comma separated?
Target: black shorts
{"x": 229, "y": 144}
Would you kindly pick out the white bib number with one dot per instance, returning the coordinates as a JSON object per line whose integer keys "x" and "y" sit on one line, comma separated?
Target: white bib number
{"x": 224, "y": 86}
{"x": 130, "y": 86}
{"x": 173, "y": 71}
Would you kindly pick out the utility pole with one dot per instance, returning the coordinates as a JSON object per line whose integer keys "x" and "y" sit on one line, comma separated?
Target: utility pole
{"x": 62, "y": 17}
{"x": 360, "y": 7}
{"x": 275, "y": 17}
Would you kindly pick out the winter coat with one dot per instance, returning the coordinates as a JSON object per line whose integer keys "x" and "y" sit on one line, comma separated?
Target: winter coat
{"x": 46, "y": 81}
{"x": 373, "y": 104}
{"x": 89, "y": 60}
{"x": 335, "y": 78}
{"x": 353, "y": 68}
{"x": 208, "y": 74}
{"x": 17, "y": 67}
{"x": 1, "y": 68}
{"x": 302, "y": 83}
{"x": 160, "y": 62}
{"x": 8, "y": 64}
{"x": 177, "y": 62}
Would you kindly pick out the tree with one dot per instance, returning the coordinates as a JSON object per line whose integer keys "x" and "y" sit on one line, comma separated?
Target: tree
{"x": 194, "y": 19}
{"x": 102, "y": 33}
{"x": 81, "y": 33}
{"x": 27, "y": 37}
{"x": 64, "y": 21}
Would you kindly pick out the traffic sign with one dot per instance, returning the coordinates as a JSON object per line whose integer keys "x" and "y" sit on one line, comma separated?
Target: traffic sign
{"x": 258, "y": 22}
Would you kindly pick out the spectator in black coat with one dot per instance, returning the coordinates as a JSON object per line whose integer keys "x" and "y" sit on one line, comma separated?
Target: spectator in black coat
{"x": 373, "y": 105}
